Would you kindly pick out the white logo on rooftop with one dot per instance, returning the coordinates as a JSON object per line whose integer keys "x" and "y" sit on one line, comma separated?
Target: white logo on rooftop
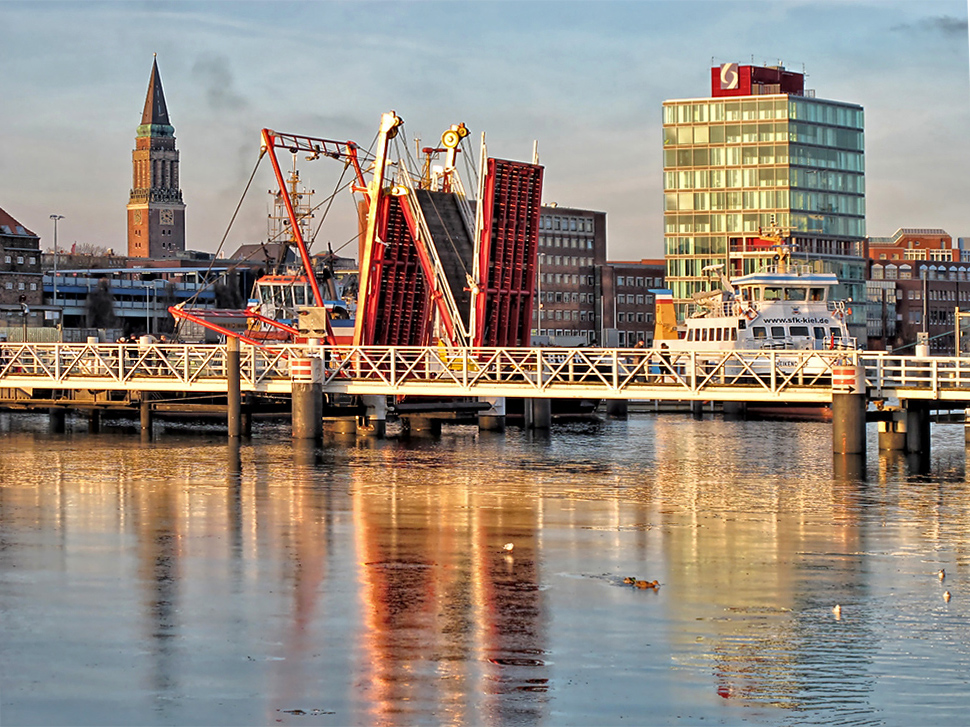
{"x": 729, "y": 76}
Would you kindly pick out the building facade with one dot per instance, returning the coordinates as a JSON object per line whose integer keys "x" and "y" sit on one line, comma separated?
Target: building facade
{"x": 763, "y": 153}
{"x": 628, "y": 305}
{"x": 156, "y": 213}
{"x": 21, "y": 288}
{"x": 572, "y": 248}
{"x": 908, "y": 243}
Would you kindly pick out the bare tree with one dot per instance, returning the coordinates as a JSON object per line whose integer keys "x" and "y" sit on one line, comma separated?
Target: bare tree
{"x": 100, "y": 306}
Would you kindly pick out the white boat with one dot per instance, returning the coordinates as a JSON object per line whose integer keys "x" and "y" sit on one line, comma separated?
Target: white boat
{"x": 786, "y": 306}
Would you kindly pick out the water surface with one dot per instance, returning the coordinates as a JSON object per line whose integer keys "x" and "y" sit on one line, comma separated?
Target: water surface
{"x": 188, "y": 581}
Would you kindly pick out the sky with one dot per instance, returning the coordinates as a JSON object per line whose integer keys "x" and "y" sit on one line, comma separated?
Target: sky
{"x": 584, "y": 80}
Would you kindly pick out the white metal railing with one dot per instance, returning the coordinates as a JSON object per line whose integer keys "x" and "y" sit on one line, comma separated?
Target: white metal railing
{"x": 137, "y": 366}
{"x": 778, "y": 375}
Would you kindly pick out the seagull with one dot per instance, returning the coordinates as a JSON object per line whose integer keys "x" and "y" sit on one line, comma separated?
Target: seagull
{"x": 837, "y": 610}
{"x": 509, "y": 547}
{"x": 942, "y": 574}
{"x": 946, "y": 596}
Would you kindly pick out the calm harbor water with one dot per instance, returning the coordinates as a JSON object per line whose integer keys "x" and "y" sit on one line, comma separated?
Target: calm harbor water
{"x": 187, "y": 581}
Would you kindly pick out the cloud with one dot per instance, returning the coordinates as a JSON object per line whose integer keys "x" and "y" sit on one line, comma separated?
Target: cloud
{"x": 216, "y": 77}
{"x": 945, "y": 25}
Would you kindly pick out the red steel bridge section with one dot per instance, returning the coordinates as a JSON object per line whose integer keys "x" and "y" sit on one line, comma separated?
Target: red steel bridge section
{"x": 507, "y": 254}
{"x": 399, "y": 313}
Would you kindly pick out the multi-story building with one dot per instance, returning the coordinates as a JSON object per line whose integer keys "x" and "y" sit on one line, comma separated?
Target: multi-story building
{"x": 156, "y": 213}
{"x": 913, "y": 244}
{"x": 762, "y": 152}
{"x": 917, "y": 281}
{"x": 572, "y": 247}
{"x": 583, "y": 299}
{"x": 21, "y": 291}
{"x": 628, "y": 304}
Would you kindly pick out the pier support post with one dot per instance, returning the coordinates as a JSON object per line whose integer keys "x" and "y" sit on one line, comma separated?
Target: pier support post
{"x": 734, "y": 410}
{"x": 307, "y": 398}
{"x": 848, "y": 410}
{"x": 246, "y": 416}
{"x": 423, "y": 426}
{"x": 538, "y": 413}
{"x": 617, "y": 408}
{"x": 697, "y": 409}
{"x": 94, "y": 421}
{"x": 145, "y": 411}
{"x": 892, "y": 433}
{"x": 58, "y": 419}
{"x": 374, "y": 421}
{"x": 233, "y": 394}
{"x": 492, "y": 420}
{"x": 849, "y": 423}
{"x": 966, "y": 426}
{"x": 917, "y": 426}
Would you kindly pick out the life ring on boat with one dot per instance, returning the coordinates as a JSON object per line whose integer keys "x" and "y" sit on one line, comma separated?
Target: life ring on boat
{"x": 750, "y": 313}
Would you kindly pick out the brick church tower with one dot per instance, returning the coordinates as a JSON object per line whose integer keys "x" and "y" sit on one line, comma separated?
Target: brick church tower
{"x": 156, "y": 214}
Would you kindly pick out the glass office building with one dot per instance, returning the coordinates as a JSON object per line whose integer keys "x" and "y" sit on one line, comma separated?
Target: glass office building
{"x": 762, "y": 152}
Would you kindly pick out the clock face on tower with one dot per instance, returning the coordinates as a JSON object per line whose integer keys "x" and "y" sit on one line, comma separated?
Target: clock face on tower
{"x": 166, "y": 217}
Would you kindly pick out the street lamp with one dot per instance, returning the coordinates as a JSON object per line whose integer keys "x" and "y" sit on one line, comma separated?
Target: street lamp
{"x": 55, "y": 218}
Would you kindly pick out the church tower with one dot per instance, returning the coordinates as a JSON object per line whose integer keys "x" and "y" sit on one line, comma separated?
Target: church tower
{"x": 156, "y": 214}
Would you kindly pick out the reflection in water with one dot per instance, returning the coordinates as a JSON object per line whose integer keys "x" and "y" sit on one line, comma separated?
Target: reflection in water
{"x": 248, "y": 582}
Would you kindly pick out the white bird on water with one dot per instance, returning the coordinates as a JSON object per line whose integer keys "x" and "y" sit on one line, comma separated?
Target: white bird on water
{"x": 509, "y": 547}
{"x": 942, "y": 574}
{"x": 946, "y": 596}
{"x": 837, "y": 610}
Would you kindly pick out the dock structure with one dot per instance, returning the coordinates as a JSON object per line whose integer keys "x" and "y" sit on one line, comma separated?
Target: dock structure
{"x": 860, "y": 386}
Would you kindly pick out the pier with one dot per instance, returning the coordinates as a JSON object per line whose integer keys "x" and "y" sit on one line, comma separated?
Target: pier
{"x": 896, "y": 391}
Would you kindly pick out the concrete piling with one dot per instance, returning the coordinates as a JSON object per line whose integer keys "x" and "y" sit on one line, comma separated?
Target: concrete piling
{"x": 848, "y": 410}
{"x": 617, "y": 408}
{"x": 233, "y": 393}
{"x": 917, "y": 426}
{"x": 58, "y": 420}
{"x": 306, "y": 375}
{"x": 493, "y": 419}
{"x": 537, "y": 413}
{"x": 145, "y": 414}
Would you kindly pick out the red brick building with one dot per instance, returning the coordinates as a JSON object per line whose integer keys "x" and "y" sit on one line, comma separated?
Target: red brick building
{"x": 913, "y": 244}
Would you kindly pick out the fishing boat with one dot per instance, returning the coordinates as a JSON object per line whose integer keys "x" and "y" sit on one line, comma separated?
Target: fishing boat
{"x": 285, "y": 288}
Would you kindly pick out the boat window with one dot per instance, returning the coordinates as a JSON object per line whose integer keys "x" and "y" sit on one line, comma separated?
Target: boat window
{"x": 299, "y": 295}
{"x": 816, "y": 294}
{"x": 772, "y": 293}
{"x": 757, "y": 294}
{"x": 266, "y": 294}
{"x": 795, "y": 293}
{"x": 835, "y": 333}
{"x": 704, "y": 334}
{"x": 819, "y": 333}
{"x": 777, "y": 331}
{"x": 799, "y": 331}
{"x": 734, "y": 334}
{"x": 758, "y": 332}
{"x": 720, "y": 334}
